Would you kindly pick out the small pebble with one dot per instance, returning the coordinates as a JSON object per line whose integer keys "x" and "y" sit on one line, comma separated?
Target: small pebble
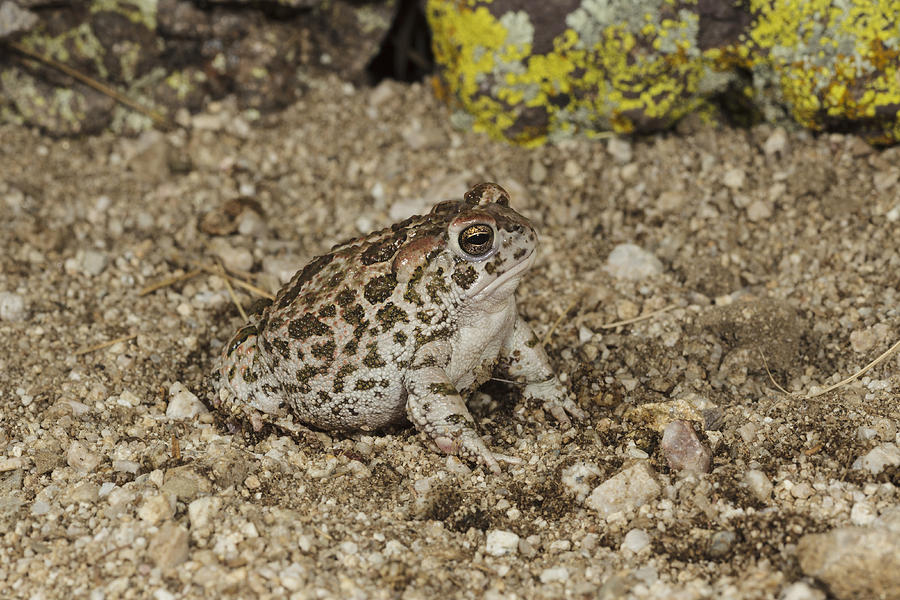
{"x": 538, "y": 172}
{"x": 628, "y": 261}
{"x": 80, "y": 458}
{"x": 720, "y": 544}
{"x": 619, "y": 149}
{"x": 683, "y": 449}
{"x": 734, "y": 178}
{"x": 202, "y": 511}
{"x": 636, "y": 540}
{"x": 12, "y": 307}
{"x": 93, "y": 262}
{"x": 629, "y": 489}
{"x": 862, "y": 513}
{"x": 501, "y": 543}
{"x": 776, "y": 143}
{"x": 878, "y": 458}
{"x": 554, "y": 574}
{"x": 183, "y": 404}
{"x": 758, "y": 211}
{"x": 155, "y": 509}
{"x": 801, "y": 591}
{"x": 169, "y": 547}
{"x": 759, "y": 484}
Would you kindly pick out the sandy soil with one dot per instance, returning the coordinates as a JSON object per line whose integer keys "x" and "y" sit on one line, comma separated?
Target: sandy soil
{"x": 766, "y": 244}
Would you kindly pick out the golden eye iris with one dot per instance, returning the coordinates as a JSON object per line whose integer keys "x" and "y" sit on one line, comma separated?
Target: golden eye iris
{"x": 476, "y": 240}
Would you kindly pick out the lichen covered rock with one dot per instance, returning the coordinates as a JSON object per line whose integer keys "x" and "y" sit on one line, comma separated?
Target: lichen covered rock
{"x": 529, "y": 71}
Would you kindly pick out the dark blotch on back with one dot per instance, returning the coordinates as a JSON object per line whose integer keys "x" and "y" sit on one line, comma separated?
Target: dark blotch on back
{"x": 384, "y": 250}
{"x": 300, "y": 279}
{"x": 306, "y": 326}
{"x": 380, "y": 288}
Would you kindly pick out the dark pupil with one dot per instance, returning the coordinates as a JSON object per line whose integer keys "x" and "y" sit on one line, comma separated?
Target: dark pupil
{"x": 476, "y": 240}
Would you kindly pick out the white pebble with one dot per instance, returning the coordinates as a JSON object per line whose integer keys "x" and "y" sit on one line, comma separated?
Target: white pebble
{"x": 234, "y": 259}
{"x": 183, "y": 404}
{"x": 758, "y": 211}
{"x": 801, "y": 591}
{"x": 636, "y": 540}
{"x": 81, "y": 459}
{"x": 759, "y": 484}
{"x": 500, "y": 542}
{"x": 628, "y": 261}
{"x": 776, "y": 142}
{"x": 878, "y": 458}
{"x": 628, "y": 489}
{"x": 734, "y": 178}
{"x": 578, "y": 476}
{"x": 619, "y": 149}
{"x": 12, "y": 307}
{"x": 554, "y": 574}
{"x": 93, "y": 262}
{"x": 862, "y": 513}
{"x": 202, "y": 511}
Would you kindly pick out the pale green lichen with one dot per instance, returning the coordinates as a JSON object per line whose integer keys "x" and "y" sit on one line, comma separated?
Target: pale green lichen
{"x": 140, "y": 12}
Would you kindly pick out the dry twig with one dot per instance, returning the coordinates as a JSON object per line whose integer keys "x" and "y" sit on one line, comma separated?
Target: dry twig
{"x": 106, "y": 344}
{"x": 644, "y": 317}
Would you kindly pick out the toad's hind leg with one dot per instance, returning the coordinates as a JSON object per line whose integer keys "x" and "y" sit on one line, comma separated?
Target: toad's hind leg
{"x": 247, "y": 388}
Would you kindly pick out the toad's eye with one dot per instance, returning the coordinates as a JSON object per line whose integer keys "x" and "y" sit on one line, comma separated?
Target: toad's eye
{"x": 476, "y": 240}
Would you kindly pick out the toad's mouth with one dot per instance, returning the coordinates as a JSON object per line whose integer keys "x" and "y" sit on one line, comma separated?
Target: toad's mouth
{"x": 510, "y": 275}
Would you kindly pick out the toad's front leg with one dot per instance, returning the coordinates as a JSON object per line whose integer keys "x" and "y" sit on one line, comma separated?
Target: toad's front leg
{"x": 526, "y": 361}
{"x": 435, "y": 407}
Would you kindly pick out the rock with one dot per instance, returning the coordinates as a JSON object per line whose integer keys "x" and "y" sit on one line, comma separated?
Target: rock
{"x": 147, "y": 156}
{"x": 234, "y": 258}
{"x": 628, "y": 261}
{"x": 776, "y": 143}
{"x": 862, "y": 513}
{"x": 169, "y": 547}
{"x": 84, "y": 491}
{"x": 759, "y": 484}
{"x": 156, "y": 508}
{"x": 11, "y": 464}
{"x": 878, "y": 458}
{"x": 183, "y": 404}
{"x": 683, "y": 449}
{"x": 720, "y": 544}
{"x": 185, "y": 483}
{"x": 856, "y": 563}
{"x": 577, "y": 477}
{"x": 12, "y": 307}
{"x": 202, "y": 511}
{"x": 865, "y": 339}
{"x": 734, "y": 178}
{"x": 14, "y": 19}
{"x": 801, "y": 591}
{"x": 501, "y": 543}
{"x": 619, "y": 149}
{"x": 93, "y": 262}
{"x": 630, "y": 488}
{"x": 554, "y": 574}
{"x": 538, "y": 172}
{"x": 293, "y": 577}
{"x": 671, "y": 201}
{"x": 758, "y": 211}
{"x": 81, "y": 459}
{"x": 636, "y": 540}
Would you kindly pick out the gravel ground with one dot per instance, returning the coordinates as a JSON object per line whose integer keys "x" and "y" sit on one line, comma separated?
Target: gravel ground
{"x": 756, "y": 247}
